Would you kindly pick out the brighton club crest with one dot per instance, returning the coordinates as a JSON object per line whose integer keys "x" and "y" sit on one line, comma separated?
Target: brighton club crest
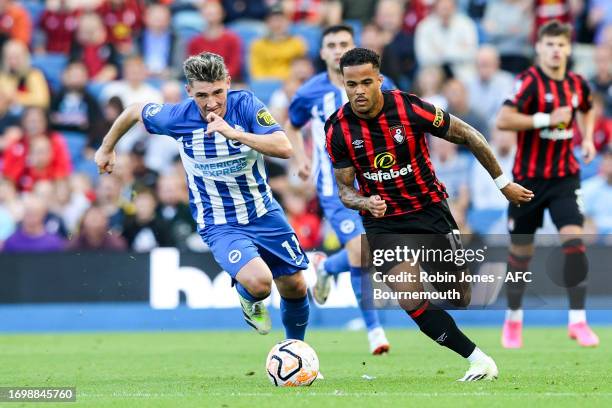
{"x": 398, "y": 133}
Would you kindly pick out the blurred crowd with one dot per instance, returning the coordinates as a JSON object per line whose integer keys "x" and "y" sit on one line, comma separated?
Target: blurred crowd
{"x": 69, "y": 67}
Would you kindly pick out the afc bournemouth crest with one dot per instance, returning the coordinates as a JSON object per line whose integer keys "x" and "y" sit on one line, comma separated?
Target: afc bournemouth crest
{"x": 398, "y": 133}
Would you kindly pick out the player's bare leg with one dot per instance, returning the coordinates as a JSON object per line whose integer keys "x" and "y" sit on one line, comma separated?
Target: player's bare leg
{"x": 518, "y": 261}
{"x": 575, "y": 273}
{"x": 439, "y": 326}
{"x": 254, "y": 285}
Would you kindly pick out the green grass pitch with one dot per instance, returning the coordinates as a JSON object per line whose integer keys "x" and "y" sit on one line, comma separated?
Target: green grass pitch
{"x": 225, "y": 369}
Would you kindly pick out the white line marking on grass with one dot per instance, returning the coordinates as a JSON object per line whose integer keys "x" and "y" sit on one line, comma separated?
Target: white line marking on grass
{"x": 338, "y": 393}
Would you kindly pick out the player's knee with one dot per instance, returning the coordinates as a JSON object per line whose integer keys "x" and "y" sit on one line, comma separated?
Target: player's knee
{"x": 259, "y": 287}
{"x": 298, "y": 288}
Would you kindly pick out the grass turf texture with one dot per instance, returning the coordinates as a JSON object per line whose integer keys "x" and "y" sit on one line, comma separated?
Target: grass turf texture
{"x": 226, "y": 369}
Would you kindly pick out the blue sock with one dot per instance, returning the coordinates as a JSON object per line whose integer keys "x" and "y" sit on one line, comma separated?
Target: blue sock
{"x": 337, "y": 263}
{"x": 370, "y": 315}
{"x": 294, "y": 313}
{"x": 245, "y": 293}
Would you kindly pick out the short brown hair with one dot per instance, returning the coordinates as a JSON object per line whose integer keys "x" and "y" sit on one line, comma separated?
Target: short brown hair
{"x": 555, "y": 28}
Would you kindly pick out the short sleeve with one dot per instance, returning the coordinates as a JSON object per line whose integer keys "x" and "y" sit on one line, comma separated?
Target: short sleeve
{"x": 299, "y": 109}
{"x": 336, "y": 145}
{"x": 260, "y": 120}
{"x": 429, "y": 118}
{"x": 524, "y": 89}
{"x": 156, "y": 118}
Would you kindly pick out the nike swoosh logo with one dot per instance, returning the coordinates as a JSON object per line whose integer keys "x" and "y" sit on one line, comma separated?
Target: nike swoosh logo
{"x": 188, "y": 145}
{"x": 301, "y": 324}
{"x": 299, "y": 262}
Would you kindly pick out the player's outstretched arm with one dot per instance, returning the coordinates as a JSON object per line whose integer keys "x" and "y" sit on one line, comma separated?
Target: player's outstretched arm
{"x": 350, "y": 197}
{"x": 509, "y": 118}
{"x": 460, "y": 132}
{"x": 299, "y": 154}
{"x": 105, "y": 155}
{"x": 275, "y": 144}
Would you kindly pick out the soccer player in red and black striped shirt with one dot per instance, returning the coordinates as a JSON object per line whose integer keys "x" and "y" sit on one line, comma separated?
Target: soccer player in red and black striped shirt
{"x": 379, "y": 139}
{"x": 549, "y": 100}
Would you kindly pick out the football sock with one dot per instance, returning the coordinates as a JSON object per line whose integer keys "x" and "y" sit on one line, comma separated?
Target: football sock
{"x": 246, "y": 294}
{"x": 476, "y": 355}
{"x": 439, "y": 326}
{"x": 514, "y": 315}
{"x": 294, "y": 314}
{"x": 362, "y": 287}
{"x": 337, "y": 263}
{"x": 576, "y": 316}
{"x": 515, "y": 290}
{"x": 575, "y": 272}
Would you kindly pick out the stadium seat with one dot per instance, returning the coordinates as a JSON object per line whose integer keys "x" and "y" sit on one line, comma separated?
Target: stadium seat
{"x": 35, "y": 9}
{"x": 248, "y": 31}
{"x": 52, "y": 66}
{"x": 96, "y": 88}
{"x": 188, "y": 24}
{"x": 263, "y": 89}
{"x": 357, "y": 26}
{"x": 76, "y": 142}
{"x": 311, "y": 35}
{"x": 482, "y": 221}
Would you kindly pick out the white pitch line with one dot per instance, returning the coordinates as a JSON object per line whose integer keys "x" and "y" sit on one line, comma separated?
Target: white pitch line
{"x": 349, "y": 394}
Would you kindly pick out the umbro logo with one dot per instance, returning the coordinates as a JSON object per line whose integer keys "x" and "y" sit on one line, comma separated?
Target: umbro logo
{"x": 358, "y": 143}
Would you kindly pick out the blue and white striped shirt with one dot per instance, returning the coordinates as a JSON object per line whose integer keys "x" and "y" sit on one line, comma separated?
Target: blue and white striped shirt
{"x": 317, "y": 99}
{"x": 226, "y": 179}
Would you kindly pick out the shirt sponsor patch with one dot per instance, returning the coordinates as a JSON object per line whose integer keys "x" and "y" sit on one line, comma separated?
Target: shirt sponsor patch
{"x": 264, "y": 118}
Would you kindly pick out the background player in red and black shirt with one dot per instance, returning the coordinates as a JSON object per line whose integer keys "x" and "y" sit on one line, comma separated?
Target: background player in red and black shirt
{"x": 379, "y": 138}
{"x": 549, "y": 100}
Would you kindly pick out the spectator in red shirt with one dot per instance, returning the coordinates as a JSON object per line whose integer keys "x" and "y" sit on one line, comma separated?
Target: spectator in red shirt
{"x": 59, "y": 23}
{"x": 15, "y": 23}
{"x": 307, "y": 226}
{"x": 216, "y": 38}
{"x": 91, "y": 47}
{"x": 123, "y": 21}
{"x": 38, "y": 155}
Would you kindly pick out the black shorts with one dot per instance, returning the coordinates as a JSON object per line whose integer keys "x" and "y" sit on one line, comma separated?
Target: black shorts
{"x": 562, "y": 198}
{"x": 431, "y": 228}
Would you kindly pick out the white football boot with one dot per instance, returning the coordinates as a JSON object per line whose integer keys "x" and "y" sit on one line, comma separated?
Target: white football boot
{"x": 378, "y": 341}
{"x": 482, "y": 369}
{"x": 321, "y": 289}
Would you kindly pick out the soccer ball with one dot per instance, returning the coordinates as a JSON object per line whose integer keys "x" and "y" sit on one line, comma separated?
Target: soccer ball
{"x": 292, "y": 363}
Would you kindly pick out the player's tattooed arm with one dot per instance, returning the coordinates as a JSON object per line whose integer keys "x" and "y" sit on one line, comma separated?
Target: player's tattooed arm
{"x": 460, "y": 132}
{"x": 350, "y": 197}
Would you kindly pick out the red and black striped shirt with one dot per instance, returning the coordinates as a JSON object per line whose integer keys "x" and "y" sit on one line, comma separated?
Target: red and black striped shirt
{"x": 547, "y": 153}
{"x": 389, "y": 152}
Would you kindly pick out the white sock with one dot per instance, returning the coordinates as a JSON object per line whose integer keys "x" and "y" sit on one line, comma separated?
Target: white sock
{"x": 577, "y": 316}
{"x": 476, "y": 355}
{"x": 514, "y": 315}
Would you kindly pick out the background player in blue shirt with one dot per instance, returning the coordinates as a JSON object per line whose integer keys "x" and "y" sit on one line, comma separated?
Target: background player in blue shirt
{"x": 314, "y": 102}
{"x": 222, "y": 136}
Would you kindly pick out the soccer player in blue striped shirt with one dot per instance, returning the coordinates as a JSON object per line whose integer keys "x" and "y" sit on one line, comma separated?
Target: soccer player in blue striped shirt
{"x": 222, "y": 136}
